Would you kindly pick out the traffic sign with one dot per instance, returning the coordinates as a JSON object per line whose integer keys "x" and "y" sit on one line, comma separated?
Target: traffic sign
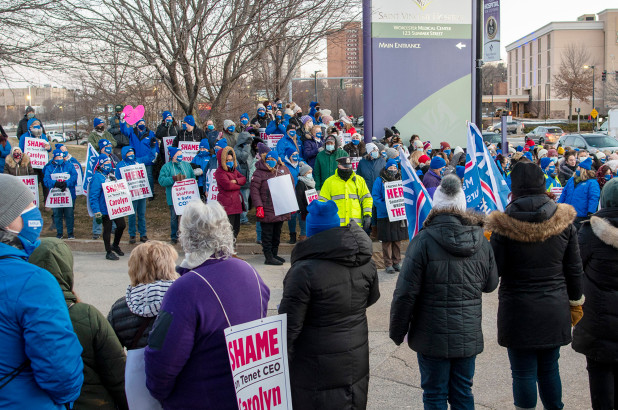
{"x": 594, "y": 113}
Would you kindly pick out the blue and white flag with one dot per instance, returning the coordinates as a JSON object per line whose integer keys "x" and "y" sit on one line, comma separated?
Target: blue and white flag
{"x": 485, "y": 188}
{"x": 92, "y": 156}
{"x": 416, "y": 198}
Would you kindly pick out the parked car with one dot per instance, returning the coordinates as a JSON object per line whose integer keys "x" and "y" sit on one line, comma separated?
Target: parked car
{"x": 543, "y": 134}
{"x": 492, "y": 137}
{"x": 511, "y": 127}
{"x": 589, "y": 142}
{"x": 55, "y": 136}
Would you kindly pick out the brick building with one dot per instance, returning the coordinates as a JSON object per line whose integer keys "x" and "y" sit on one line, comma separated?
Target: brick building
{"x": 345, "y": 51}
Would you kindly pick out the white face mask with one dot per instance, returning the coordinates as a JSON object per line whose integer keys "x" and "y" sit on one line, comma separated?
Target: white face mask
{"x": 309, "y": 176}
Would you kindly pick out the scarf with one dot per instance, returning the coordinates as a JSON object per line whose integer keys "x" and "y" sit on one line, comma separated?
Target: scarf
{"x": 145, "y": 299}
{"x": 309, "y": 182}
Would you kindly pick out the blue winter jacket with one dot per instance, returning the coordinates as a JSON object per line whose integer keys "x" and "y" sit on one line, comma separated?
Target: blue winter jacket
{"x": 201, "y": 159}
{"x": 145, "y": 152}
{"x": 370, "y": 169}
{"x": 66, "y": 167}
{"x": 312, "y": 109}
{"x": 293, "y": 169}
{"x": 377, "y": 193}
{"x": 22, "y": 139}
{"x": 274, "y": 128}
{"x": 311, "y": 147}
{"x": 287, "y": 142}
{"x": 96, "y": 198}
{"x": 4, "y": 151}
{"x": 583, "y": 196}
{"x": 125, "y": 161}
{"x": 36, "y": 326}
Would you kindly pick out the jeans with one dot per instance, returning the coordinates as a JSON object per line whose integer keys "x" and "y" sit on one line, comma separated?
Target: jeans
{"x": 445, "y": 380}
{"x": 69, "y": 215}
{"x": 107, "y": 231}
{"x": 258, "y": 230}
{"x": 245, "y": 198}
{"x": 531, "y": 366}
{"x": 603, "y": 378}
{"x": 292, "y": 224}
{"x": 97, "y": 229}
{"x": 173, "y": 223}
{"x": 139, "y": 207}
{"x": 150, "y": 178}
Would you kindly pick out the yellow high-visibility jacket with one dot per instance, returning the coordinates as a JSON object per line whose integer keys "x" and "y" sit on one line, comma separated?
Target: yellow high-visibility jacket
{"x": 352, "y": 197}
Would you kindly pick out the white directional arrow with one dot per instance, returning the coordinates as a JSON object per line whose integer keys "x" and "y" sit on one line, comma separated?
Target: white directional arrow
{"x": 460, "y": 45}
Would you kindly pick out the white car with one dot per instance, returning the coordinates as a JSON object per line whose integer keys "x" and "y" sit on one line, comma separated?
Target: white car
{"x": 55, "y": 136}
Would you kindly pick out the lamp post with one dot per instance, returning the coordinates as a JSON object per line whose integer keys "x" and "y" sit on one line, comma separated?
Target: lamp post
{"x": 591, "y": 66}
{"x": 315, "y": 83}
{"x": 492, "y": 100}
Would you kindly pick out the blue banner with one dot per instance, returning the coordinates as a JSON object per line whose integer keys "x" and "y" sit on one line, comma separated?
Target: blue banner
{"x": 416, "y": 198}
{"x": 92, "y": 157}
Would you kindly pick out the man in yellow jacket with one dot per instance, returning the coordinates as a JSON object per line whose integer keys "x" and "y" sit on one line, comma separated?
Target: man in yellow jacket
{"x": 350, "y": 193}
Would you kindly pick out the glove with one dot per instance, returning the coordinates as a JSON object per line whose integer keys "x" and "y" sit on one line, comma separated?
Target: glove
{"x": 122, "y": 116}
{"x": 98, "y": 217}
{"x": 576, "y": 314}
{"x": 366, "y": 222}
{"x": 259, "y": 212}
{"x": 112, "y": 177}
{"x": 63, "y": 186}
{"x": 58, "y": 184}
{"x": 176, "y": 178}
{"x": 198, "y": 172}
{"x": 153, "y": 142}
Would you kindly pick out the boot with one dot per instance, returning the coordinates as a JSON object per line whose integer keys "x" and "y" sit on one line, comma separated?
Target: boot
{"x": 111, "y": 256}
{"x": 270, "y": 259}
{"x": 116, "y": 249}
{"x": 302, "y": 238}
{"x": 374, "y": 233}
{"x": 292, "y": 240}
{"x": 132, "y": 240}
{"x": 279, "y": 258}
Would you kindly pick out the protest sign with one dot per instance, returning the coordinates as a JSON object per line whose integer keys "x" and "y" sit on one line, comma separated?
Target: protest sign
{"x": 347, "y": 137}
{"x": 395, "y": 204}
{"x": 189, "y": 150}
{"x": 117, "y": 199}
{"x": 355, "y": 161}
{"x": 91, "y": 161}
{"x": 311, "y": 195}
{"x": 213, "y": 188}
{"x": 283, "y": 195}
{"x": 32, "y": 182}
{"x": 167, "y": 142}
{"x": 137, "y": 180}
{"x": 79, "y": 189}
{"x": 263, "y": 135}
{"x": 183, "y": 192}
{"x": 557, "y": 191}
{"x": 273, "y": 139}
{"x": 56, "y": 198}
{"x": 35, "y": 148}
{"x": 258, "y": 357}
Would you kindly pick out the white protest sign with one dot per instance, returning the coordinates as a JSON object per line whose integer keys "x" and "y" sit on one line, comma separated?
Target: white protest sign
{"x": 263, "y": 135}
{"x": 395, "y": 205}
{"x": 32, "y": 182}
{"x": 213, "y": 188}
{"x": 117, "y": 199}
{"x": 273, "y": 139}
{"x": 183, "y": 192}
{"x": 167, "y": 142}
{"x": 189, "y": 149}
{"x": 79, "y": 189}
{"x": 35, "y": 148}
{"x": 347, "y": 137}
{"x": 355, "y": 161}
{"x": 283, "y": 195}
{"x": 311, "y": 195}
{"x": 56, "y": 198}
{"x": 556, "y": 191}
{"x": 258, "y": 357}
{"x": 137, "y": 180}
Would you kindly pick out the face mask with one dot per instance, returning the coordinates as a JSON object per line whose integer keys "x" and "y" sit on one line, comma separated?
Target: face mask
{"x": 211, "y": 127}
{"x": 108, "y": 150}
{"x": 447, "y": 151}
{"x": 384, "y": 154}
{"x": 309, "y": 176}
{"x": 271, "y": 163}
{"x": 344, "y": 174}
{"x": 106, "y": 168}
{"x": 168, "y": 122}
{"x": 231, "y": 129}
{"x": 608, "y": 177}
{"x": 355, "y": 142}
{"x": 269, "y": 107}
{"x": 602, "y": 160}
{"x": 391, "y": 173}
{"x": 295, "y": 157}
{"x": 141, "y": 127}
{"x": 442, "y": 172}
{"x": 330, "y": 147}
{"x": 230, "y": 164}
{"x": 131, "y": 157}
{"x": 179, "y": 158}
{"x": 292, "y": 133}
{"x": 279, "y": 106}
{"x": 551, "y": 170}
{"x": 184, "y": 126}
{"x": 278, "y": 117}
{"x": 99, "y": 128}
{"x": 244, "y": 121}
{"x": 554, "y": 159}
{"x": 578, "y": 173}
{"x": 261, "y": 113}
{"x": 29, "y": 234}
{"x": 36, "y": 131}
{"x": 17, "y": 156}
{"x": 374, "y": 154}
{"x": 30, "y": 115}
{"x": 202, "y": 153}
{"x": 428, "y": 152}
{"x": 318, "y": 135}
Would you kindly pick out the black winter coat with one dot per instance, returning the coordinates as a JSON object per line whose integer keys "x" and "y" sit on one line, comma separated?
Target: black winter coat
{"x": 326, "y": 293}
{"x": 196, "y": 135}
{"x": 126, "y": 324}
{"x": 536, "y": 250}
{"x": 437, "y": 300}
{"x": 596, "y": 335}
{"x": 164, "y": 131}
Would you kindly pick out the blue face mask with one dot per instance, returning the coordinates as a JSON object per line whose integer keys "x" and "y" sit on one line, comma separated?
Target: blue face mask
{"x": 230, "y": 164}
{"x": 261, "y": 113}
{"x": 269, "y": 107}
{"x": 280, "y": 106}
{"x": 244, "y": 121}
{"x": 131, "y": 157}
{"x": 271, "y": 163}
{"x": 58, "y": 161}
{"x": 428, "y": 152}
{"x": 168, "y": 122}
{"x": 202, "y": 153}
{"x": 278, "y": 117}
{"x": 578, "y": 173}
{"x": 231, "y": 129}
{"x": 108, "y": 149}
{"x": 211, "y": 127}
{"x": 447, "y": 151}
{"x": 106, "y": 168}
{"x": 384, "y": 154}
{"x": 442, "y": 172}
{"x": 551, "y": 170}
{"x": 179, "y": 157}
{"x": 608, "y": 177}
{"x": 375, "y": 154}
{"x": 184, "y": 126}
{"x": 292, "y": 133}
{"x": 318, "y": 135}
{"x": 355, "y": 142}
{"x": 141, "y": 127}
{"x": 29, "y": 234}
{"x": 295, "y": 157}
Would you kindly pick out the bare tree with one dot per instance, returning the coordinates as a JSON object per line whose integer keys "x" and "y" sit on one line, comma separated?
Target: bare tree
{"x": 573, "y": 80}
{"x": 492, "y": 74}
{"x": 611, "y": 90}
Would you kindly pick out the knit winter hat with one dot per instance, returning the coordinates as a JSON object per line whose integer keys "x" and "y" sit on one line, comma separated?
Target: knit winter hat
{"x": 289, "y": 152}
{"x": 542, "y": 153}
{"x": 426, "y": 145}
{"x": 173, "y": 151}
{"x": 527, "y": 178}
{"x": 262, "y": 148}
{"x": 57, "y": 153}
{"x": 449, "y": 194}
{"x": 461, "y": 170}
{"x": 288, "y": 112}
{"x": 166, "y": 114}
{"x": 321, "y": 216}
{"x": 390, "y": 163}
{"x": 528, "y": 155}
{"x": 16, "y": 196}
{"x": 228, "y": 123}
{"x": 437, "y": 162}
{"x": 97, "y": 122}
{"x": 458, "y": 150}
{"x": 204, "y": 143}
{"x": 609, "y": 194}
{"x": 418, "y": 145}
{"x": 370, "y": 147}
{"x": 600, "y": 155}
{"x": 391, "y": 153}
{"x": 444, "y": 145}
{"x": 520, "y": 148}
{"x": 244, "y": 115}
{"x": 272, "y": 154}
{"x": 189, "y": 120}
{"x": 388, "y": 133}
{"x": 552, "y": 153}
{"x": 423, "y": 158}
{"x": 221, "y": 143}
{"x": 305, "y": 119}
{"x": 586, "y": 164}
{"x": 261, "y": 107}
{"x": 304, "y": 168}
{"x": 103, "y": 143}
{"x": 560, "y": 151}
{"x": 545, "y": 161}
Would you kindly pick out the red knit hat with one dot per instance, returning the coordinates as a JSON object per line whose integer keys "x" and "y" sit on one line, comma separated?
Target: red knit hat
{"x": 444, "y": 145}
{"x": 426, "y": 145}
{"x": 423, "y": 158}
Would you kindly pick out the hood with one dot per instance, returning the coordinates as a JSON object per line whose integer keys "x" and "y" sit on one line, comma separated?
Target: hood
{"x": 31, "y": 120}
{"x": 346, "y": 245}
{"x": 145, "y": 299}
{"x": 604, "y": 224}
{"x": 456, "y": 232}
{"x": 125, "y": 150}
{"x": 223, "y": 153}
{"x": 244, "y": 138}
{"x": 25, "y": 160}
{"x": 520, "y": 230}
{"x": 55, "y": 256}
{"x": 532, "y": 208}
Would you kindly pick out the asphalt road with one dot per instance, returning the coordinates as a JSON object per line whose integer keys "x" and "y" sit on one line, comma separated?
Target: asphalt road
{"x": 395, "y": 379}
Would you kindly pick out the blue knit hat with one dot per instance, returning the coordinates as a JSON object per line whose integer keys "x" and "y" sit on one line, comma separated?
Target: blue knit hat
{"x": 173, "y": 151}
{"x": 390, "y": 163}
{"x": 189, "y": 120}
{"x": 221, "y": 143}
{"x": 586, "y": 164}
{"x": 57, "y": 152}
{"x": 322, "y": 216}
{"x": 545, "y": 161}
{"x": 244, "y": 115}
{"x": 519, "y": 148}
{"x": 461, "y": 170}
{"x": 166, "y": 114}
{"x": 289, "y": 152}
{"x": 528, "y": 155}
{"x": 102, "y": 158}
{"x": 272, "y": 154}
{"x": 204, "y": 143}
{"x": 125, "y": 150}
{"x": 97, "y": 122}
{"x": 103, "y": 143}
{"x": 437, "y": 162}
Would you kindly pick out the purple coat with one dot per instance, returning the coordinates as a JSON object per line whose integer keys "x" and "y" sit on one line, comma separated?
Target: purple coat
{"x": 187, "y": 365}
{"x": 431, "y": 181}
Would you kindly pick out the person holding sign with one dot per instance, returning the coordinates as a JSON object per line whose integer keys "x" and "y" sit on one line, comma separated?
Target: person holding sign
{"x": 144, "y": 144}
{"x": 260, "y": 120}
{"x": 292, "y": 162}
{"x": 35, "y": 130}
{"x": 58, "y": 166}
{"x": 305, "y": 189}
{"x": 98, "y": 205}
{"x": 200, "y": 164}
{"x": 187, "y": 364}
{"x": 139, "y": 205}
{"x": 18, "y": 163}
{"x": 355, "y": 148}
{"x": 270, "y": 166}
{"x": 189, "y": 132}
{"x": 172, "y": 172}
{"x": 230, "y": 180}
{"x": 326, "y": 292}
{"x": 389, "y": 233}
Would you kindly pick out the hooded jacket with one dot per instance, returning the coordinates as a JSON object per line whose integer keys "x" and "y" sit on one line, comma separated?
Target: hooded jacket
{"x": 437, "y": 300}
{"x": 536, "y": 250}
{"x": 229, "y": 192}
{"x": 326, "y": 164}
{"x": 65, "y": 168}
{"x": 370, "y": 169}
{"x": 326, "y": 293}
{"x": 583, "y": 195}
{"x": 27, "y": 134}
{"x": 260, "y": 193}
{"x": 596, "y": 335}
{"x": 5, "y": 151}
{"x": 144, "y": 143}
{"x": 22, "y": 126}
{"x": 355, "y": 151}
{"x": 24, "y": 167}
{"x": 103, "y": 356}
{"x": 125, "y": 162}
{"x": 244, "y": 157}
{"x": 36, "y": 333}
{"x": 311, "y": 148}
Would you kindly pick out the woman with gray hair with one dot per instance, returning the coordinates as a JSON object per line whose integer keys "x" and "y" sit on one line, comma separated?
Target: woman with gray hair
{"x": 187, "y": 364}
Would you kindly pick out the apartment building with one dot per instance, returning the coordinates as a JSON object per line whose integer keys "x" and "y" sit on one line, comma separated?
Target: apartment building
{"x": 344, "y": 48}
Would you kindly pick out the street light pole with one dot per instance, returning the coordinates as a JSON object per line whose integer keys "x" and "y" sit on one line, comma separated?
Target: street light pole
{"x": 591, "y": 66}
{"x": 315, "y": 83}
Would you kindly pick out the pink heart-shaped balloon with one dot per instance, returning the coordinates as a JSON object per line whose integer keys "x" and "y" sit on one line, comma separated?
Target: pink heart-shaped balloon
{"x": 133, "y": 115}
